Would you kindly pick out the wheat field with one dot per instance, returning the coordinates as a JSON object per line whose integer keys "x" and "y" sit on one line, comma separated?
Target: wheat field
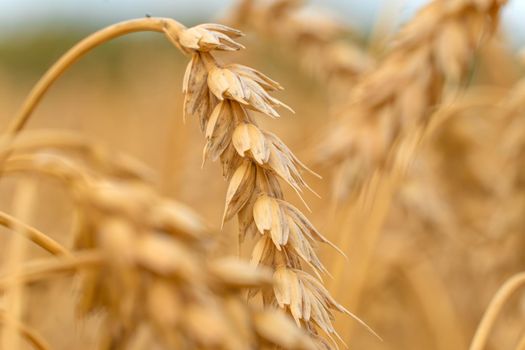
{"x": 268, "y": 179}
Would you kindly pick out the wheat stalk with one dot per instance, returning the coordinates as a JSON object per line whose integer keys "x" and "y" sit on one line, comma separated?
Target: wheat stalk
{"x": 33, "y": 234}
{"x": 435, "y": 47}
{"x": 74, "y": 54}
{"x": 491, "y": 313}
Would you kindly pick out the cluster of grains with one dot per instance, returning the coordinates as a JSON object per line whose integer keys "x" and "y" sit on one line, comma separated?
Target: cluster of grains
{"x": 221, "y": 97}
{"x": 155, "y": 281}
{"x": 315, "y": 39}
{"x": 435, "y": 47}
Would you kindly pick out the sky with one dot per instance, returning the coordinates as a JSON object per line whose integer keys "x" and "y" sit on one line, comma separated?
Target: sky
{"x": 29, "y": 14}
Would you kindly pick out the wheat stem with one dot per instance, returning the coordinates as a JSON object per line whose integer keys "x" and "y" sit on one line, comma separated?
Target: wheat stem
{"x": 35, "y": 235}
{"x": 75, "y": 53}
{"x": 494, "y": 308}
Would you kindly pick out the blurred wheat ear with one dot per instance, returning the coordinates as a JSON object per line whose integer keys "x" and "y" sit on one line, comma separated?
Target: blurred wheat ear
{"x": 434, "y": 49}
{"x": 144, "y": 262}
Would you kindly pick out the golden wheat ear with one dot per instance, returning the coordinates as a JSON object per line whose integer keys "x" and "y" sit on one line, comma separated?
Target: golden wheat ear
{"x": 435, "y": 48}
{"x": 223, "y": 98}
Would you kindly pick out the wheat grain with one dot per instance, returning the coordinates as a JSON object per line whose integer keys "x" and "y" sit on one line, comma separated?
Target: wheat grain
{"x": 33, "y": 234}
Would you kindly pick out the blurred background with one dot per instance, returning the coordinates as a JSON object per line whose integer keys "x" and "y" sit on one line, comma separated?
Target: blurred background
{"x": 28, "y": 15}
{"x": 423, "y": 279}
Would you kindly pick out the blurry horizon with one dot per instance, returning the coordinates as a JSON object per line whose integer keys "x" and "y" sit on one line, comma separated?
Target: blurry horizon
{"x": 28, "y": 16}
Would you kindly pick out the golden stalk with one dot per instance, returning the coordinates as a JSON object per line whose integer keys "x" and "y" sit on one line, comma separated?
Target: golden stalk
{"x": 35, "y": 235}
{"x": 78, "y": 51}
{"x": 493, "y": 310}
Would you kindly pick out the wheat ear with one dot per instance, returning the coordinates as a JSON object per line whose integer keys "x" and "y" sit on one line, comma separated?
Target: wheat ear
{"x": 144, "y": 262}
{"x": 436, "y": 46}
{"x": 221, "y": 97}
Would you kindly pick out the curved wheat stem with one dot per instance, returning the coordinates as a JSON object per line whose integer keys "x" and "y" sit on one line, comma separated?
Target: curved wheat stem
{"x": 492, "y": 312}
{"x": 75, "y": 53}
{"x": 35, "y": 235}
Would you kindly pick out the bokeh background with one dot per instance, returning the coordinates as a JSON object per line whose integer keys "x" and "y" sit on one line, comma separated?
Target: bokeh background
{"x": 28, "y": 15}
